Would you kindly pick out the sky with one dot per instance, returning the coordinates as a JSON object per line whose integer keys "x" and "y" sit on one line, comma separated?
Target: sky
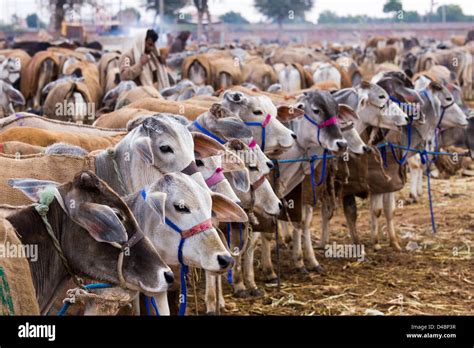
{"x": 342, "y": 7}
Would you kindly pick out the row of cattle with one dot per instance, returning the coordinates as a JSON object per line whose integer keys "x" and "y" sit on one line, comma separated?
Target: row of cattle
{"x": 149, "y": 187}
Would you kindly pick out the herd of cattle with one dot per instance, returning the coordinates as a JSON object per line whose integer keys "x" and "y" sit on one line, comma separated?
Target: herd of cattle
{"x": 131, "y": 184}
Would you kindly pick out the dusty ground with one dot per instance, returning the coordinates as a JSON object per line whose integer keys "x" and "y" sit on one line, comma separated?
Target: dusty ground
{"x": 436, "y": 279}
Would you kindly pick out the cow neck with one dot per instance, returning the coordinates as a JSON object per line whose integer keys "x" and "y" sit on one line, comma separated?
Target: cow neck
{"x": 48, "y": 272}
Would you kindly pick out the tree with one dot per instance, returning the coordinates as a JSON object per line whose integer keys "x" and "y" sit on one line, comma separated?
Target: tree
{"x": 58, "y": 9}
{"x": 279, "y": 10}
{"x": 33, "y": 21}
{"x": 202, "y": 9}
{"x": 453, "y": 13}
{"x": 233, "y": 18}
{"x": 328, "y": 17}
{"x": 392, "y": 6}
{"x": 171, "y": 7}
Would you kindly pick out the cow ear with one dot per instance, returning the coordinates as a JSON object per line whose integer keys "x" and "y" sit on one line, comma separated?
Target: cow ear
{"x": 231, "y": 127}
{"x": 36, "y": 190}
{"x": 110, "y": 97}
{"x": 13, "y": 94}
{"x": 287, "y": 113}
{"x": 231, "y": 162}
{"x": 410, "y": 95}
{"x": 101, "y": 221}
{"x": 157, "y": 200}
{"x": 223, "y": 209}
{"x": 346, "y": 113}
{"x": 145, "y": 151}
{"x": 206, "y": 146}
{"x": 240, "y": 180}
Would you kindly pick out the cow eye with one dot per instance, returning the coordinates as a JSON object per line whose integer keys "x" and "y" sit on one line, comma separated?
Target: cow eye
{"x": 181, "y": 208}
{"x": 253, "y": 168}
{"x": 381, "y": 96}
{"x": 449, "y": 99}
{"x": 166, "y": 149}
{"x": 316, "y": 111}
{"x": 199, "y": 163}
{"x": 258, "y": 112}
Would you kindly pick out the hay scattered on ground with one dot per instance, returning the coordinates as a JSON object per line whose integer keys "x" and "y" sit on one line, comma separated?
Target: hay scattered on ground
{"x": 435, "y": 279}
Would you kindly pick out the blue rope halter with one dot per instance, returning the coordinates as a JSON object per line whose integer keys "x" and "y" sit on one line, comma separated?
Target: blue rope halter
{"x": 263, "y": 125}
{"x": 208, "y": 133}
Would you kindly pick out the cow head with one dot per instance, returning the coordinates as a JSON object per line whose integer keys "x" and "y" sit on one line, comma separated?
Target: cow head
{"x": 375, "y": 108}
{"x": 10, "y": 69}
{"x": 9, "y": 96}
{"x": 453, "y": 114}
{"x": 261, "y": 110}
{"x": 259, "y": 192}
{"x": 320, "y": 107}
{"x": 190, "y": 207}
{"x": 98, "y": 224}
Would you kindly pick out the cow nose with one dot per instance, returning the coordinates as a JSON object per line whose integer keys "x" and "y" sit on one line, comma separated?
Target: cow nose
{"x": 236, "y": 97}
{"x": 224, "y": 261}
{"x": 367, "y": 149}
{"x": 407, "y": 118}
{"x": 270, "y": 164}
{"x": 169, "y": 277}
{"x": 293, "y": 135}
{"x": 341, "y": 144}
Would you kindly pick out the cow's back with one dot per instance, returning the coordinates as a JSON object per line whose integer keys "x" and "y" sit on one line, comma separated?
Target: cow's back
{"x": 59, "y": 168}
{"x": 17, "y": 293}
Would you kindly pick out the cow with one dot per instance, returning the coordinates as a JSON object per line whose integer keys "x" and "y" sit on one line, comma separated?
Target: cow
{"x": 9, "y": 96}
{"x": 91, "y": 234}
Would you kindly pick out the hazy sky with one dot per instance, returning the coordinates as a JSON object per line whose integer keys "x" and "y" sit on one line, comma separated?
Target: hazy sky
{"x": 342, "y": 7}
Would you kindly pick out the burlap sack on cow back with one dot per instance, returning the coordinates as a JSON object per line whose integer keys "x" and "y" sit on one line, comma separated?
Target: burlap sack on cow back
{"x": 55, "y": 106}
{"x": 228, "y": 66}
{"x": 191, "y": 112}
{"x": 29, "y": 80}
{"x": 58, "y": 168}
{"x": 17, "y": 293}
{"x": 202, "y": 59}
{"x": 357, "y": 183}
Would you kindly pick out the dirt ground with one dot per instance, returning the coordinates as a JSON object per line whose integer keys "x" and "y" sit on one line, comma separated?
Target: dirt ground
{"x": 435, "y": 279}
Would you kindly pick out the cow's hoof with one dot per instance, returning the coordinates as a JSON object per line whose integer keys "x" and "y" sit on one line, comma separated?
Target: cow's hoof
{"x": 396, "y": 247}
{"x": 302, "y": 270}
{"x": 256, "y": 292}
{"x": 241, "y": 293}
{"x": 211, "y": 313}
{"x": 318, "y": 269}
{"x": 377, "y": 247}
{"x": 272, "y": 280}
{"x": 321, "y": 246}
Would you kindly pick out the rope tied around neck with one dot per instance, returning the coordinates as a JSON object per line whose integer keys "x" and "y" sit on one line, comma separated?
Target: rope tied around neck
{"x": 43, "y": 210}
{"x": 112, "y": 154}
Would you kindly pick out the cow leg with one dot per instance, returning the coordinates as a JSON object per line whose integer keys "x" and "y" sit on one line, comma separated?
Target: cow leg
{"x": 285, "y": 232}
{"x": 221, "y": 293}
{"x": 297, "y": 252}
{"x": 389, "y": 208}
{"x": 419, "y": 187}
{"x": 310, "y": 257}
{"x": 350, "y": 212}
{"x": 375, "y": 212}
{"x": 210, "y": 294}
{"x": 325, "y": 216}
{"x": 238, "y": 285}
{"x": 249, "y": 274}
{"x": 267, "y": 266}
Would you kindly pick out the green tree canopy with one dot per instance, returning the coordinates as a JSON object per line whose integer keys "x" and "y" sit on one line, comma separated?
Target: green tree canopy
{"x": 392, "y": 6}
{"x": 233, "y": 18}
{"x": 280, "y": 10}
{"x": 33, "y": 21}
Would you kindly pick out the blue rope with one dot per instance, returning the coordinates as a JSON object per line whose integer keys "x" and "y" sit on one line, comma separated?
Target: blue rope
{"x": 316, "y": 124}
{"x": 264, "y": 133}
{"x": 184, "y": 267}
{"x": 208, "y": 133}
{"x": 405, "y": 156}
{"x": 425, "y": 160}
{"x": 155, "y": 306}
{"x": 66, "y": 305}
{"x": 229, "y": 272}
{"x": 321, "y": 179}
